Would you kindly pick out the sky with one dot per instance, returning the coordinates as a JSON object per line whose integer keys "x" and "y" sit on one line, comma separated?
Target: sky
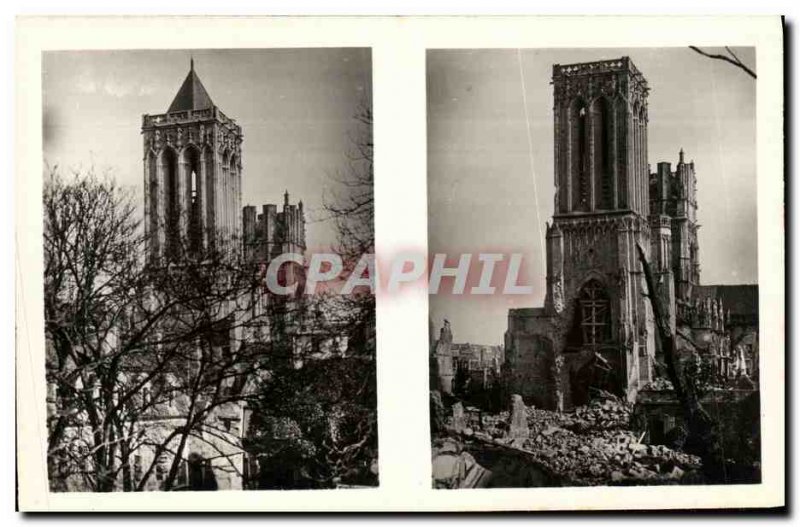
{"x": 296, "y": 108}
{"x": 488, "y": 191}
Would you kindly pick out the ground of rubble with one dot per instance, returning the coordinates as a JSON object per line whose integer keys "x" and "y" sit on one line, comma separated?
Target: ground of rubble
{"x": 593, "y": 445}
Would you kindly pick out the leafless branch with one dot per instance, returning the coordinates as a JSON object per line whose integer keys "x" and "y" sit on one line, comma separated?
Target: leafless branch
{"x": 732, "y": 59}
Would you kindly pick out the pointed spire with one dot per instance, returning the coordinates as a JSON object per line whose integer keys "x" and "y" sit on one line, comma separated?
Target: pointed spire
{"x": 286, "y": 197}
{"x": 680, "y": 157}
{"x": 192, "y": 94}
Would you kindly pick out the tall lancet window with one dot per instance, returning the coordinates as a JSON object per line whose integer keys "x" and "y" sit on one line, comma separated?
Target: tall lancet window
{"x": 601, "y": 166}
{"x": 224, "y": 214}
{"x": 642, "y": 167}
{"x": 169, "y": 168}
{"x": 622, "y": 148}
{"x": 234, "y": 185}
{"x": 153, "y": 200}
{"x": 195, "y": 225}
{"x": 579, "y": 159}
{"x": 210, "y": 193}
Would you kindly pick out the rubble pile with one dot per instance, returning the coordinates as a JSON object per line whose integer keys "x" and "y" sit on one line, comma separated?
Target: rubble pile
{"x": 659, "y": 384}
{"x": 591, "y": 446}
{"x": 598, "y": 415}
{"x": 608, "y": 414}
{"x": 607, "y": 456}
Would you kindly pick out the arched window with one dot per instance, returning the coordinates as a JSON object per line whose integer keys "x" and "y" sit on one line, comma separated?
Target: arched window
{"x": 153, "y": 205}
{"x": 636, "y": 136}
{"x": 169, "y": 168}
{"x": 642, "y": 168}
{"x": 601, "y": 166}
{"x": 234, "y": 191}
{"x": 210, "y": 196}
{"x": 622, "y": 148}
{"x": 595, "y": 319}
{"x": 224, "y": 214}
{"x": 579, "y": 159}
{"x": 195, "y": 224}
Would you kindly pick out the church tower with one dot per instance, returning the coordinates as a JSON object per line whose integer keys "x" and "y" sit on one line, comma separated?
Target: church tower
{"x": 673, "y": 220}
{"x": 192, "y": 175}
{"x": 594, "y": 283}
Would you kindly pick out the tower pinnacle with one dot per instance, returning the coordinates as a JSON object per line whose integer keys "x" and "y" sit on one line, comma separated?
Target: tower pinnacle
{"x": 680, "y": 156}
{"x": 192, "y": 95}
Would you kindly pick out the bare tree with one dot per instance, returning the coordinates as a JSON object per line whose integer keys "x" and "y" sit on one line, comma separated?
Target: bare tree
{"x": 90, "y": 243}
{"x": 140, "y": 353}
{"x": 351, "y": 206}
{"x": 315, "y": 426}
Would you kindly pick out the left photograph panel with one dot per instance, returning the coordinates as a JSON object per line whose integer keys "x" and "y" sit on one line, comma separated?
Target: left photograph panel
{"x": 208, "y": 225}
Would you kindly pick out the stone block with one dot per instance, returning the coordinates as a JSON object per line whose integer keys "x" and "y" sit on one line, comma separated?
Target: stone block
{"x": 518, "y": 419}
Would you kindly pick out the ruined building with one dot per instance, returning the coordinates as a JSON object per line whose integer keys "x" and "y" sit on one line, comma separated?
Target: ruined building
{"x": 596, "y": 328}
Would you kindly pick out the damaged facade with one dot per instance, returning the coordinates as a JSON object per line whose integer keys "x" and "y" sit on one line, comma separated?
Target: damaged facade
{"x": 596, "y": 328}
{"x": 463, "y": 366}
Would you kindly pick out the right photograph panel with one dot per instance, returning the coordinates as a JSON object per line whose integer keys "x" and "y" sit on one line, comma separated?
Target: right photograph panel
{"x": 594, "y": 285}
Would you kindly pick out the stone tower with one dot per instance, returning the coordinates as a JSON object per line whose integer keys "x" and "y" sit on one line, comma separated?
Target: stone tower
{"x": 192, "y": 175}
{"x": 673, "y": 203}
{"x": 596, "y": 328}
{"x": 272, "y": 233}
{"x": 601, "y": 213}
{"x": 595, "y": 313}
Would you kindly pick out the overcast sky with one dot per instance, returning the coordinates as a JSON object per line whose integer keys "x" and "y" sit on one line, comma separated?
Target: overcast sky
{"x": 295, "y": 107}
{"x": 483, "y": 193}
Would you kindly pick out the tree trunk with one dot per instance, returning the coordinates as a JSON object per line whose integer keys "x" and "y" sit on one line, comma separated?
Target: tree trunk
{"x": 176, "y": 460}
{"x": 703, "y": 439}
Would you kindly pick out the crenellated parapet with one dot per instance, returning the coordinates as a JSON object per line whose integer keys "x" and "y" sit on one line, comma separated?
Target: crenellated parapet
{"x": 607, "y": 78}
{"x": 272, "y": 231}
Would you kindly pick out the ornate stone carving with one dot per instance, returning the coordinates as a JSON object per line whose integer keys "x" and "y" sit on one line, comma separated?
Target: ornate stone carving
{"x": 558, "y": 294}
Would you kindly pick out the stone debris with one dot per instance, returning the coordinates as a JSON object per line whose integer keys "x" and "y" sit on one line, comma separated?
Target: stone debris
{"x": 455, "y": 469}
{"x": 598, "y": 415}
{"x": 599, "y": 456}
{"x": 659, "y": 384}
{"x": 459, "y": 419}
{"x": 591, "y": 446}
{"x": 518, "y": 424}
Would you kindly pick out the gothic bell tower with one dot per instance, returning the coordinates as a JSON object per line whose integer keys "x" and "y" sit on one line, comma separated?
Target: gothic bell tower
{"x": 192, "y": 175}
{"x": 600, "y": 138}
{"x": 594, "y": 283}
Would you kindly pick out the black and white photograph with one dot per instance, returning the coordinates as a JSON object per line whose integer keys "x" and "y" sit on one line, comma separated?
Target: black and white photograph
{"x": 200, "y": 207}
{"x": 336, "y": 264}
{"x": 624, "y": 183}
